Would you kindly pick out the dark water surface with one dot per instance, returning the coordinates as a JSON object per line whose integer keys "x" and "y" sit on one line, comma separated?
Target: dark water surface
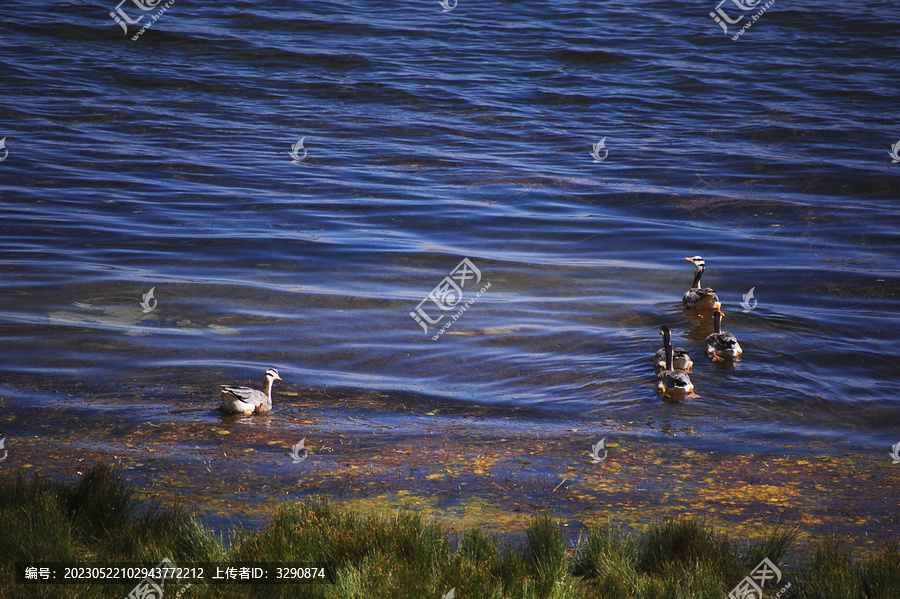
{"x": 436, "y": 136}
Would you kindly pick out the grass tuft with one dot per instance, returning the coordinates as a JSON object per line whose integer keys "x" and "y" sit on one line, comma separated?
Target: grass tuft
{"x": 609, "y": 561}
{"x": 100, "y": 503}
{"x": 688, "y": 545}
{"x": 403, "y": 555}
{"x": 546, "y": 555}
{"x": 832, "y": 574}
{"x": 774, "y": 546}
{"x": 33, "y": 523}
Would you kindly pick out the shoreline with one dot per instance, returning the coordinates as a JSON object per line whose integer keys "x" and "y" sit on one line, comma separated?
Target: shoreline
{"x": 459, "y": 464}
{"x": 315, "y": 549}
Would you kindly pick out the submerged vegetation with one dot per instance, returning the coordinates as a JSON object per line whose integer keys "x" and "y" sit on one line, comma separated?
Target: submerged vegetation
{"x": 98, "y": 520}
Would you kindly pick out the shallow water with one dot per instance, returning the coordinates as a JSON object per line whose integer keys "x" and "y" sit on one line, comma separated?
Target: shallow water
{"x": 431, "y": 137}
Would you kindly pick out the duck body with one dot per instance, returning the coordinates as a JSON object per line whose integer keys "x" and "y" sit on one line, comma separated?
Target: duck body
{"x": 700, "y": 298}
{"x": 680, "y": 358}
{"x": 722, "y": 345}
{"x": 673, "y": 385}
{"x": 245, "y": 400}
{"x": 704, "y": 299}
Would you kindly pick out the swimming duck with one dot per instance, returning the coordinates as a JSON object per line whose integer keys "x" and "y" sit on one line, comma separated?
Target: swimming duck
{"x": 244, "y": 400}
{"x": 680, "y": 358}
{"x": 696, "y": 298}
{"x": 673, "y": 385}
{"x": 721, "y": 345}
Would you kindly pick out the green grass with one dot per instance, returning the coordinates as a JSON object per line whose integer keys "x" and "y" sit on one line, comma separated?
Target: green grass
{"x": 95, "y": 520}
{"x": 401, "y": 555}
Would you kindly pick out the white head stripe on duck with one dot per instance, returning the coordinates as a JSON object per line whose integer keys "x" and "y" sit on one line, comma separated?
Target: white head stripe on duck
{"x": 696, "y": 298}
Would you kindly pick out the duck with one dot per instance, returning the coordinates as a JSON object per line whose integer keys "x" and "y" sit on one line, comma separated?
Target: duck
{"x": 673, "y": 385}
{"x": 721, "y": 345}
{"x": 696, "y": 298}
{"x": 244, "y": 400}
{"x": 680, "y": 358}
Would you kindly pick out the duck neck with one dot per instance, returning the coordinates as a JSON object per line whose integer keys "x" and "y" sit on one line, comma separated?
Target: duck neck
{"x": 717, "y": 323}
{"x": 669, "y": 352}
{"x": 697, "y": 276}
{"x": 268, "y": 387}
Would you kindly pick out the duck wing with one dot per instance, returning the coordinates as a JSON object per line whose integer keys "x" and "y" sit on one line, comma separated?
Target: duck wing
{"x": 659, "y": 359}
{"x": 672, "y": 379}
{"x": 244, "y": 400}
{"x": 722, "y": 344}
{"x": 244, "y": 394}
{"x": 679, "y": 378}
{"x": 674, "y": 384}
{"x": 705, "y": 298}
{"x": 681, "y": 359}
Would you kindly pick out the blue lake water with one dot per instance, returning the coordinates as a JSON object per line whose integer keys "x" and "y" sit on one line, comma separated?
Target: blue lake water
{"x": 166, "y": 162}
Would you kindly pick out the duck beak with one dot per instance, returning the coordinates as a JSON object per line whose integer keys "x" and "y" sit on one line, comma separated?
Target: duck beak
{"x": 278, "y": 378}
{"x": 689, "y": 259}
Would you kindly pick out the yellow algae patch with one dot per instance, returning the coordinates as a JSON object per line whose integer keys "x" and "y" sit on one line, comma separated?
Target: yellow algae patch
{"x": 744, "y": 492}
{"x": 808, "y": 519}
{"x": 765, "y": 493}
{"x": 592, "y": 483}
{"x": 458, "y": 516}
{"x": 483, "y": 512}
{"x": 391, "y": 502}
{"x": 481, "y": 464}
